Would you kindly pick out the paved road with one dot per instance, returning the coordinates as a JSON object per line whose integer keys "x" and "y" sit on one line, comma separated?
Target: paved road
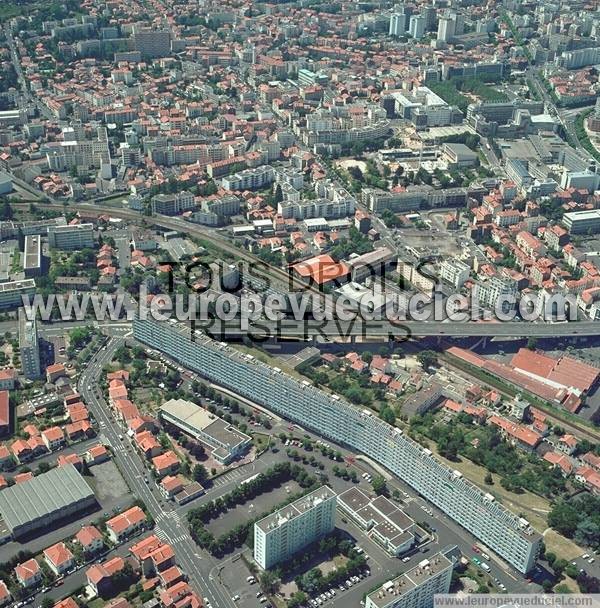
{"x": 170, "y": 526}
{"x": 329, "y": 330}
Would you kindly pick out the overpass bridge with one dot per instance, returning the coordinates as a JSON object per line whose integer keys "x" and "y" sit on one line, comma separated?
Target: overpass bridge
{"x": 323, "y": 331}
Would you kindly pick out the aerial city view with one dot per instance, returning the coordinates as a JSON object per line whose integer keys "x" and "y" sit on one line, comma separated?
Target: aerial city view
{"x": 299, "y": 303}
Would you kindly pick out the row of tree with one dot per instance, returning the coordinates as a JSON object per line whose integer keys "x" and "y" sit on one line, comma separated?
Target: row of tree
{"x": 242, "y": 533}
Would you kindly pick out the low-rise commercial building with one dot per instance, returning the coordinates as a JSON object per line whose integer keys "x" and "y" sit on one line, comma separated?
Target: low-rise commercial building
{"x": 582, "y": 222}
{"x": 383, "y": 520}
{"x": 227, "y": 441}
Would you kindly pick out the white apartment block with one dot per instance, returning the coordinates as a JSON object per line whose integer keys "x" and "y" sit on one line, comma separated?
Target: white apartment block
{"x": 249, "y": 179}
{"x": 416, "y": 587}
{"x": 320, "y": 207}
{"x": 280, "y": 535}
{"x": 71, "y": 238}
{"x": 494, "y": 294}
{"x": 80, "y": 153}
{"x": 340, "y": 422}
{"x": 454, "y": 272}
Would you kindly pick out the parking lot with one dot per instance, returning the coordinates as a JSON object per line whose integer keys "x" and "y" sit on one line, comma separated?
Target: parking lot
{"x": 261, "y": 504}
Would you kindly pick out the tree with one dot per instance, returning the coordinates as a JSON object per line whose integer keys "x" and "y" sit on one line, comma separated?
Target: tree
{"x": 200, "y": 474}
{"x": 6, "y": 212}
{"x": 564, "y": 518}
{"x": 489, "y": 480}
{"x": 47, "y": 602}
{"x": 427, "y": 358}
{"x": 531, "y": 343}
{"x": 387, "y": 413}
{"x": 269, "y": 582}
{"x": 379, "y": 485}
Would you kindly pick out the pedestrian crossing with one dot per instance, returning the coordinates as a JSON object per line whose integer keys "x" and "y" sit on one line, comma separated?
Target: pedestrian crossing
{"x": 168, "y": 538}
{"x": 228, "y": 477}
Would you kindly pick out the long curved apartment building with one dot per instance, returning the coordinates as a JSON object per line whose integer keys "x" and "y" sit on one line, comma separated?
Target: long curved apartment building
{"x": 509, "y": 536}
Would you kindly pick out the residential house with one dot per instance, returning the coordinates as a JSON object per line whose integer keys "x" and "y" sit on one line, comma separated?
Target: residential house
{"x": 4, "y": 414}
{"x": 5, "y": 596}
{"x": 29, "y": 573}
{"x": 99, "y": 576}
{"x": 54, "y": 372}
{"x": 53, "y": 438}
{"x": 562, "y": 461}
{"x": 97, "y": 454}
{"x": 8, "y": 379}
{"x": 126, "y": 524}
{"x": 166, "y": 464}
{"x": 21, "y": 451}
{"x": 89, "y": 539}
{"x": 567, "y": 444}
{"x": 59, "y": 558}
{"x": 6, "y": 460}
{"x": 147, "y": 444}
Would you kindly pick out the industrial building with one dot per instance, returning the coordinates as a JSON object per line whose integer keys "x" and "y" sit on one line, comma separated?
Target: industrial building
{"x": 416, "y": 587}
{"x": 279, "y": 535}
{"x": 44, "y": 499}
{"x": 336, "y": 420}
{"x": 29, "y": 346}
{"x": 227, "y": 441}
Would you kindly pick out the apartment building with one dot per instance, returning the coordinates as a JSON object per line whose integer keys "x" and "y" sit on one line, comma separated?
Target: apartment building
{"x": 29, "y": 347}
{"x": 338, "y": 421}
{"x": 173, "y": 204}
{"x": 12, "y": 293}
{"x": 454, "y": 272}
{"x": 316, "y": 208}
{"x": 416, "y": 587}
{"x": 280, "y": 535}
{"x": 152, "y": 43}
{"x": 32, "y": 256}
{"x": 71, "y": 238}
{"x": 79, "y": 153}
{"x": 250, "y": 179}
{"x": 496, "y": 293}
{"x": 582, "y": 222}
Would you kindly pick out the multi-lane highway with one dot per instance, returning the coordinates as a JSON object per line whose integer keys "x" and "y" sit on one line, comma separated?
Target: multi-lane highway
{"x": 170, "y": 525}
{"x": 329, "y": 331}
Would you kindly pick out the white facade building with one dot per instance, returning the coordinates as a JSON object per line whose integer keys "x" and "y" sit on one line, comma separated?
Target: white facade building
{"x": 71, "y": 238}
{"x": 416, "y": 587}
{"x": 280, "y": 535}
{"x": 454, "y": 272}
{"x": 340, "y": 422}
